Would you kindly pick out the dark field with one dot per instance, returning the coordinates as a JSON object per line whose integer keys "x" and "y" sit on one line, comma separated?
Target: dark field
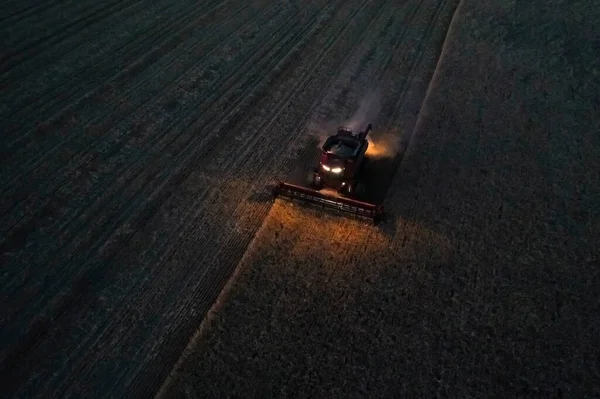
{"x": 138, "y": 142}
{"x": 138, "y": 139}
{"x": 486, "y": 281}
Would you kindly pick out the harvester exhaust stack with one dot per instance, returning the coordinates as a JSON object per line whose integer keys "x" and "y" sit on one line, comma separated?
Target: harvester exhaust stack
{"x": 341, "y": 204}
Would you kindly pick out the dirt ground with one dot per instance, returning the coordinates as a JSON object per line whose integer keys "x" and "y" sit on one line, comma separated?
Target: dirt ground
{"x": 483, "y": 284}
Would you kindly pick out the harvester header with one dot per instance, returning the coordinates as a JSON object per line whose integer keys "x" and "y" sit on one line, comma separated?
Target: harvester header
{"x": 341, "y": 204}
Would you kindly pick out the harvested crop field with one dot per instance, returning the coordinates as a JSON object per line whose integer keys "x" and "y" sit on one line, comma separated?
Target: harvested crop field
{"x": 486, "y": 280}
{"x": 138, "y": 141}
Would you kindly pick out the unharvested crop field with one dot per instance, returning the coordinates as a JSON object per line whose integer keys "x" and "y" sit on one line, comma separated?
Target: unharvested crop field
{"x": 138, "y": 141}
{"x": 486, "y": 280}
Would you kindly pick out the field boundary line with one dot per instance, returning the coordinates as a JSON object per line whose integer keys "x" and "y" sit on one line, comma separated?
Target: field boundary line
{"x": 434, "y": 77}
{"x": 213, "y": 311}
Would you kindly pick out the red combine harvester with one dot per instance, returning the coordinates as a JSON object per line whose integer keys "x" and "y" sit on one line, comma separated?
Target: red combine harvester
{"x": 341, "y": 161}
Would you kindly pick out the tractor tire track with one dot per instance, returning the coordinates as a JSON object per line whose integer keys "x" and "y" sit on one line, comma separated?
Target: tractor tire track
{"x": 141, "y": 66}
{"x": 20, "y": 10}
{"x": 73, "y": 20}
{"x": 89, "y": 147}
{"x": 89, "y": 66}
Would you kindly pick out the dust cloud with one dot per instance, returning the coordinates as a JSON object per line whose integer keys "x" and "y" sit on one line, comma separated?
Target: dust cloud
{"x": 384, "y": 142}
{"x": 368, "y": 111}
{"x": 321, "y": 131}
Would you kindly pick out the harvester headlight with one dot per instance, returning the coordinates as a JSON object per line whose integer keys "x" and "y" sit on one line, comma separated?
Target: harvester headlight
{"x": 336, "y": 170}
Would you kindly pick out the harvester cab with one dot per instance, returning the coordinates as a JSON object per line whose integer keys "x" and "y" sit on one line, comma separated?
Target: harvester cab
{"x": 340, "y": 164}
{"x": 341, "y": 160}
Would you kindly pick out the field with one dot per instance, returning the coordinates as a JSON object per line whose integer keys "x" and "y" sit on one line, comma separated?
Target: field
{"x": 484, "y": 283}
{"x": 139, "y": 140}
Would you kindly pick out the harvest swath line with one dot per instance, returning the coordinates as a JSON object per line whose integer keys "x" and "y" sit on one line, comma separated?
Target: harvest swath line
{"x": 27, "y": 10}
{"x": 126, "y": 183}
{"x": 22, "y": 48}
{"x": 338, "y": 102}
{"x": 386, "y": 61}
{"x": 413, "y": 67}
{"x": 172, "y": 84}
{"x": 90, "y": 36}
{"x": 58, "y": 114}
{"x": 49, "y": 113}
{"x": 75, "y": 25}
{"x": 83, "y": 156}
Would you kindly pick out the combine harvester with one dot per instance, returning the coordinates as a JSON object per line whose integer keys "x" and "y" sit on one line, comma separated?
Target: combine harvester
{"x": 340, "y": 166}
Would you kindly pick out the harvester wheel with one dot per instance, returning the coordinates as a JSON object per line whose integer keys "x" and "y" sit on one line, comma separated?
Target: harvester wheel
{"x": 317, "y": 181}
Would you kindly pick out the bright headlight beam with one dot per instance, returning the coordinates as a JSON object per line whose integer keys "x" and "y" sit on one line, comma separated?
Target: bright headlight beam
{"x": 334, "y": 170}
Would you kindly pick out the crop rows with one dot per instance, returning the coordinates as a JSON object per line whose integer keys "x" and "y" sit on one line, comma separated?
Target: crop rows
{"x": 128, "y": 209}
